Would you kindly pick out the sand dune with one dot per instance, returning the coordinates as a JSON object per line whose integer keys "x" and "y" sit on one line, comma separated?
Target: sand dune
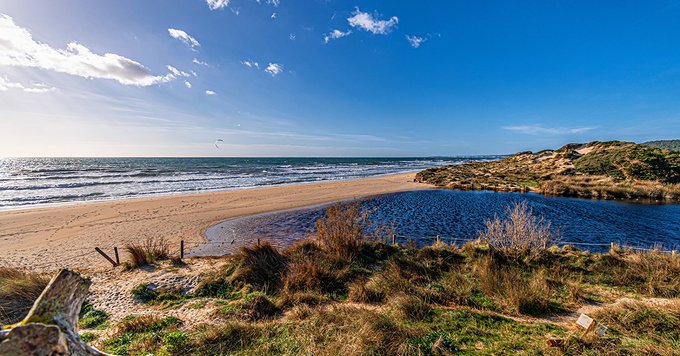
{"x": 47, "y": 239}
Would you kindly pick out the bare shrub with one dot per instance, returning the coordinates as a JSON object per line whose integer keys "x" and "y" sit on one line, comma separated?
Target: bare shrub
{"x": 341, "y": 229}
{"x": 148, "y": 252}
{"x": 521, "y": 234}
{"x": 18, "y": 290}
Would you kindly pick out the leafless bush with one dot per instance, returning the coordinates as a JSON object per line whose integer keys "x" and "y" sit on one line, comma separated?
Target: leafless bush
{"x": 341, "y": 229}
{"x": 521, "y": 234}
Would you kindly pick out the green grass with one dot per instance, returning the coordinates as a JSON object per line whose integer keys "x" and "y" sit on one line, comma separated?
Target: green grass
{"x": 91, "y": 318}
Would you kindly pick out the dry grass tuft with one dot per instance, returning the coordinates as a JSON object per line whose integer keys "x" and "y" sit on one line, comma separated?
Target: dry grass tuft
{"x": 18, "y": 290}
{"x": 521, "y": 235}
{"x": 261, "y": 266}
{"x": 650, "y": 273}
{"x": 510, "y": 287}
{"x": 148, "y": 252}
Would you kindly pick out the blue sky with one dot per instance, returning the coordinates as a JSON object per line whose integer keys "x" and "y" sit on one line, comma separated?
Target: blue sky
{"x": 333, "y": 78}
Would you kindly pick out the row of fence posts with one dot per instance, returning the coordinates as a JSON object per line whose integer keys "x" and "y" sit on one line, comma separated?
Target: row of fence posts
{"x": 116, "y": 262}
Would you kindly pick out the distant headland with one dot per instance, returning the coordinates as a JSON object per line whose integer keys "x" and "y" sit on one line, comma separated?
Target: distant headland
{"x": 602, "y": 170}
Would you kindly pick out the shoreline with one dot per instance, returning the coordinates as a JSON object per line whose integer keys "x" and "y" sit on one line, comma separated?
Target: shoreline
{"x": 188, "y": 192}
{"x": 54, "y": 237}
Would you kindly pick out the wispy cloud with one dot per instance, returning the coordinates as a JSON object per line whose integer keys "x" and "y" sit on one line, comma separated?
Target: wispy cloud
{"x": 367, "y": 22}
{"x": 18, "y": 48}
{"x": 176, "y": 72}
{"x": 202, "y": 63}
{"x": 187, "y": 84}
{"x": 415, "y": 41}
{"x": 217, "y": 4}
{"x": 541, "y": 130}
{"x": 250, "y": 64}
{"x": 274, "y": 69}
{"x": 6, "y": 84}
{"x": 335, "y": 34}
{"x": 276, "y": 3}
{"x": 184, "y": 37}
{"x": 210, "y": 92}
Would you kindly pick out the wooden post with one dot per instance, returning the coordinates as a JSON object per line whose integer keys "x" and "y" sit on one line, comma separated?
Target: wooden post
{"x": 394, "y": 239}
{"x": 258, "y": 241}
{"x": 438, "y": 240}
{"x": 105, "y": 256}
{"x": 115, "y": 251}
{"x": 181, "y": 250}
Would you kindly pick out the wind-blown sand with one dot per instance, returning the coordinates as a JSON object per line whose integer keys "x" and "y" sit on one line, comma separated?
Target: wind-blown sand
{"x": 46, "y": 239}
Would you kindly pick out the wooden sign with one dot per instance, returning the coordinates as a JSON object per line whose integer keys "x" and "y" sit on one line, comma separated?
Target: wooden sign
{"x": 585, "y": 321}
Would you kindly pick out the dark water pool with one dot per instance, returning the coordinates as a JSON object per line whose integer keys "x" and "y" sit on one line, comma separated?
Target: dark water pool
{"x": 461, "y": 214}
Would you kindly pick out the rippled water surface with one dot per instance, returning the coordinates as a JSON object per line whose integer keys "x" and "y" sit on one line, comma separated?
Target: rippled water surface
{"x": 459, "y": 214}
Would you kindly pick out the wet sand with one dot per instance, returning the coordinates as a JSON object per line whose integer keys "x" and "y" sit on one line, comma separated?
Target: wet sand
{"x": 50, "y": 238}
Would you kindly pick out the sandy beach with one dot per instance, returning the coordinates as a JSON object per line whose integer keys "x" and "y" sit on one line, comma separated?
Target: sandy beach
{"x": 47, "y": 239}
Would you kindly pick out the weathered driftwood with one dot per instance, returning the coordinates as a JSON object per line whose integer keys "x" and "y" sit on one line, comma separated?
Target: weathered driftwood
{"x": 51, "y": 326}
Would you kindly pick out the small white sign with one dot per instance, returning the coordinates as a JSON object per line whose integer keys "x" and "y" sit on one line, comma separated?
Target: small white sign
{"x": 585, "y": 321}
{"x": 600, "y": 329}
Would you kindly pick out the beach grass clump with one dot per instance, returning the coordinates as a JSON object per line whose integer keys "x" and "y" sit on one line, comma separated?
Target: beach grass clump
{"x": 649, "y": 273}
{"x": 513, "y": 288}
{"x": 148, "y": 252}
{"x": 18, "y": 290}
{"x": 143, "y": 334}
{"x": 253, "y": 306}
{"x": 261, "y": 266}
{"x": 520, "y": 235}
{"x": 90, "y": 317}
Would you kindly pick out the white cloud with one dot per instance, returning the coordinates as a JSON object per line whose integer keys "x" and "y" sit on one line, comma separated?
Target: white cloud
{"x": 210, "y": 92}
{"x": 6, "y": 84}
{"x": 274, "y": 69}
{"x": 18, "y": 48}
{"x": 335, "y": 34}
{"x": 276, "y": 3}
{"x": 415, "y": 41}
{"x": 367, "y": 22}
{"x": 274, "y": 16}
{"x": 541, "y": 130}
{"x": 177, "y": 73}
{"x": 199, "y": 62}
{"x": 184, "y": 37}
{"x": 251, "y": 64}
{"x": 291, "y": 37}
{"x": 217, "y": 4}
{"x": 187, "y": 84}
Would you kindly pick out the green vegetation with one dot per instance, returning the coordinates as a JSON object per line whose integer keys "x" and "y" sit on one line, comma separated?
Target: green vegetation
{"x": 606, "y": 170}
{"x": 18, "y": 290}
{"x": 138, "y": 334}
{"x": 665, "y": 144}
{"x": 91, "y": 318}
{"x": 330, "y": 296}
{"x": 628, "y": 161}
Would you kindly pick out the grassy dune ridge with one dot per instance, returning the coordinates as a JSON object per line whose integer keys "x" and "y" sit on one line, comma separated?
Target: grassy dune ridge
{"x": 606, "y": 170}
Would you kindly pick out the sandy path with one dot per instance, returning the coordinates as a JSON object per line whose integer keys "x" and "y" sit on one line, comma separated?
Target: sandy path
{"x": 46, "y": 239}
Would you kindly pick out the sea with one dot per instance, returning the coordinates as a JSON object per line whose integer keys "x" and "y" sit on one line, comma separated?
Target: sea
{"x": 30, "y": 182}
